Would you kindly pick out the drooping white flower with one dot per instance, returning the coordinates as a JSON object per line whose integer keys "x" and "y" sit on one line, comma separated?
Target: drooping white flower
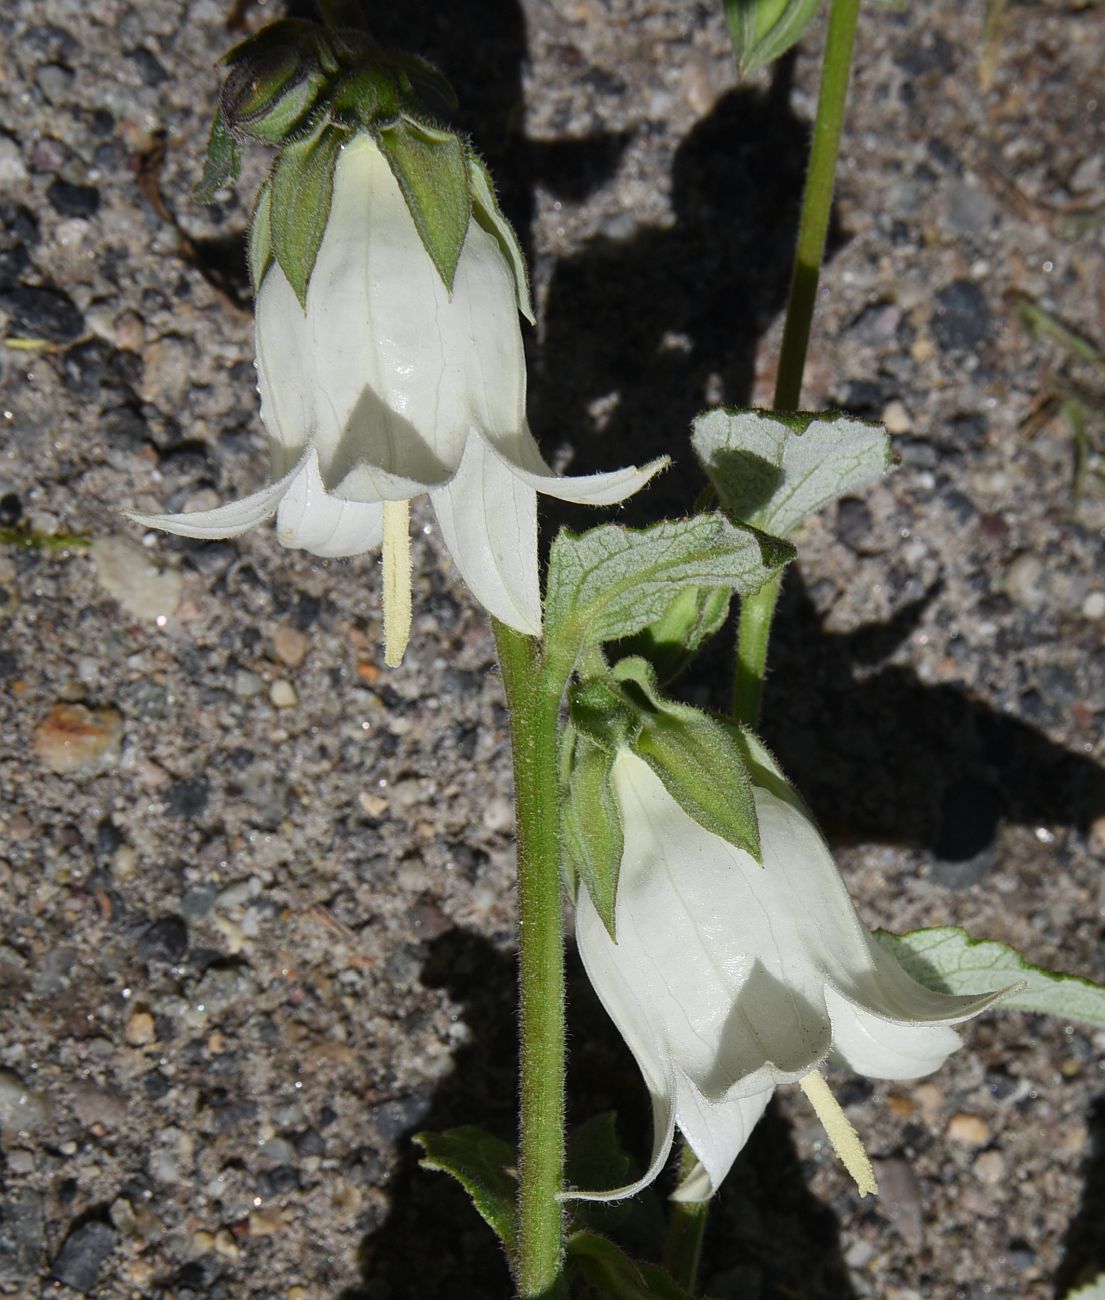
{"x": 388, "y": 386}
{"x": 729, "y": 978}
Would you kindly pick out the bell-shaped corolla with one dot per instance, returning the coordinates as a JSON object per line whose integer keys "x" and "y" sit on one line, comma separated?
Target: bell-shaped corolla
{"x": 730, "y": 978}
{"x": 388, "y": 385}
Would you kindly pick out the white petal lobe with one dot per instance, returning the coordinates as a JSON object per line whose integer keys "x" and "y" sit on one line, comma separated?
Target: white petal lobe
{"x": 488, "y": 519}
{"x": 231, "y": 520}
{"x": 310, "y": 518}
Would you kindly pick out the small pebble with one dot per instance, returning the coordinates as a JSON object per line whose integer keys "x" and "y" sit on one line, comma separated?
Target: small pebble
{"x": 73, "y": 738}
{"x": 971, "y": 1130}
{"x": 21, "y": 1108}
{"x": 859, "y": 1254}
{"x": 42, "y": 313}
{"x": 126, "y": 572}
{"x": 168, "y": 366}
{"x": 83, "y": 1251}
{"x": 960, "y": 317}
{"x": 247, "y": 684}
{"x": 989, "y": 1168}
{"x": 130, "y": 330}
{"x": 900, "y": 1198}
{"x": 22, "y": 1236}
{"x": 123, "y": 1216}
{"x": 1094, "y": 605}
{"x": 266, "y": 1222}
{"x": 140, "y": 1029}
{"x": 225, "y": 1245}
{"x": 930, "y": 1098}
{"x": 290, "y": 645}
{"x": 498, "y": 815}
{"x": 896, "y": 418}
{"x": 13, "y": 170}
{"x": 283, "y": 695}
{"x": 1022, "y": 579}
{"x": 371, "y": 804}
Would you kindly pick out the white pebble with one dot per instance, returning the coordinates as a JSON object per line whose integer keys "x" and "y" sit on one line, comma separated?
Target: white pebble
{"x": 1094, "y": 604}
{"x": 283, "y": 694}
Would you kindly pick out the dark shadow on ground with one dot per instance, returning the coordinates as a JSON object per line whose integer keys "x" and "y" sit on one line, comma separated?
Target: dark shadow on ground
{"x": 641, "y": 332}
{"x": 486, "y": 73}
{"x": 882, "y": 756}
{"x": 433, "y": 1243}
{"x": 1084, "y": 1244}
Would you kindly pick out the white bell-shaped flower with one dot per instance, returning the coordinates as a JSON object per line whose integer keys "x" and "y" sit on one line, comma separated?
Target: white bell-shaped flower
{"x": 729, "y": 978}
{"x": 388, "y": 386}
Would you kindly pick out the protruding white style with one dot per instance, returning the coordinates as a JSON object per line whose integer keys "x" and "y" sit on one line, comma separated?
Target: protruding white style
{"x": 729, "y": 978}
{"x": 388, "y": 386}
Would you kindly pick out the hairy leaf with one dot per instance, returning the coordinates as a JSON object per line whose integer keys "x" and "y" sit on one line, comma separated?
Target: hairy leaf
{"x": 614, "y": 1274}
{"x": 772, "y": 470}
{"x": 484, "y": 1167}
{"x": 610, "y": 581}
{"x": 949, "y": 960}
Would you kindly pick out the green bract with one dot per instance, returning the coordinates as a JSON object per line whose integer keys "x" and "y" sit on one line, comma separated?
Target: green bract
{"x": 429, "y": 166}
{"x": 762, "y": 30}
{"x": 671, "y": 641}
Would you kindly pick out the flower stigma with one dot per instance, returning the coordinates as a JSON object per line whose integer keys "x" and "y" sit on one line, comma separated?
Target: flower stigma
{"x": 397, "y": 580}
{"x": 838, "y": 1128}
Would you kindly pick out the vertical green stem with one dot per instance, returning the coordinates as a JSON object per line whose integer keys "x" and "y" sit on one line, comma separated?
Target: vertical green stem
{"x": 817, "y": 202}
{"x": 757, "y": 611}
{"x": 683, "y": 1247}
{"x": 534, "y": 704}
{"x": 753, "y": 634}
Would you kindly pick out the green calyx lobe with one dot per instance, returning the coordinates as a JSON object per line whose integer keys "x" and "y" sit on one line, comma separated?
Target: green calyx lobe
{"x": 762, "y": 30}
{"x": 306, "y": 89}
{"x": 702, "y": 761}
{"x": 429, "y": 165}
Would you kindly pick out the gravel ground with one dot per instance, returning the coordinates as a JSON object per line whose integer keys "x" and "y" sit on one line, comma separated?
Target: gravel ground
{"x": 257, "y": 889}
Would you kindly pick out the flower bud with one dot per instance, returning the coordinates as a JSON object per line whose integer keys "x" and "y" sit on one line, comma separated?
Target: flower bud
{"x": 273, "y": 83}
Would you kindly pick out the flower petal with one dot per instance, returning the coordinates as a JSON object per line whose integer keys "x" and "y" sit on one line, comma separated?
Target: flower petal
{"x": 663, "y": 1135}
{"x": 366, "y": 482}
{"x": 886, "y": 1049}
{"x": 488, "y": 519}
{"x": 900, "y": 1030}
{"x": 600, "y": 959}
{"x": 716, "y": 1132}
{"x": 386, "y": 365}
{"x": 311, "y": 518}
{"x": 584, "y": 489}
{"x": 713, "y": 947}
{"x": 231, "y": 520}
